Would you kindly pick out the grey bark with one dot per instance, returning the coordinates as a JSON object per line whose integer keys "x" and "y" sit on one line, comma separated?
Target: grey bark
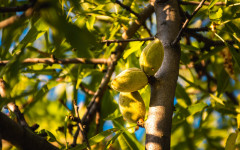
{"x": 158, "y": 124}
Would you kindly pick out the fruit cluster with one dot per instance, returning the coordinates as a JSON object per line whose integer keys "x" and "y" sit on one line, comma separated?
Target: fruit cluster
{"x": 131, "y": 80}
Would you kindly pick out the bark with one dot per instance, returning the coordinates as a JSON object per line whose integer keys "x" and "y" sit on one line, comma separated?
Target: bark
{"x": 22, "y": 137}
{"x": 158, "y": 124}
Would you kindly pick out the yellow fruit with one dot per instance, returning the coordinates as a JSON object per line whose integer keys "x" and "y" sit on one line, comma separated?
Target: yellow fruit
{"x": 132, "y": 106}
{"x": 130, "y": 80}
{"x": 151, "y": 57}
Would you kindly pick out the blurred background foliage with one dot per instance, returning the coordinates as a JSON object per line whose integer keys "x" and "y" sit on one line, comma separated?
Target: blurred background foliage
{"x": 207, "y": 94}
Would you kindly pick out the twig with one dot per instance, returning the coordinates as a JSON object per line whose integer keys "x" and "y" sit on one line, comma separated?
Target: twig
{"x": 16, "y": 18}
{"x": 62, "y": 102}
{"x": 80, "y": 124}
{"x": 146, "y": 28}
{"x": 45, "y": 54}
{"x": 186, "y": 23}
{"x": 34, "y": 127}
{"x": 232, "y": 98}
{"x": 203, "y": 29}
{"x": 127, "y": 40}
{"x": 16, "y": 8}
{"x": 29, "y": 101}
{"x": 74, "y": 143}
{"x": 12, "y": 106}
{"x": 97, "y": 119}
{"x": 127, "y": 8}
{"x": 208, "y": 42}
{"x": 51, "y": 61}
{"x": 86, "y": 90}
{"x": 197, "y": 3}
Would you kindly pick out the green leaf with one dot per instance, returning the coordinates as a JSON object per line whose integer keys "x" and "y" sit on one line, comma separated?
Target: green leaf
{"x": 193, "y": 109}
{"x": 37, "y": 96}
{"x": 213, "y": 2}
{"x": 51, "y": 137}
{"x": 129, "y": 138}
{"x": 218, "y": 100}
{"x": 233, "y": 29}
{"x": 235, "y": 55}
{"x": 90, "y": 22}
{"x": 79, "y": 38}
{"x": 114, "y": 115}
{"x": 65, "y": 129}
{"x": 112, "y": 140}
{"x": 222, "y": 81}
{"x": 216, "y": 15}
{"x": 181, "y": 93}
{"x": 134, "y": 46}
{"x": 208, "y": 55}
{"x": 183, "y": 113}
{"x": 96, "y": 139}
{"x": 231, "y": 141}
{"x": 36, "y": 31}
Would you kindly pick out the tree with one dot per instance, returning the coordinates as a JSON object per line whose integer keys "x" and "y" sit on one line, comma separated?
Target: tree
{"x": 57, "y": 59}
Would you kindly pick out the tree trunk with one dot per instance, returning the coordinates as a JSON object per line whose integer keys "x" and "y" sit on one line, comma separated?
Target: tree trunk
{"x": 158, "y": 125}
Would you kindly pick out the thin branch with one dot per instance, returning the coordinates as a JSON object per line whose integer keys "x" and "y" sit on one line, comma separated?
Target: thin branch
{"x": 75, "y": 136}
{"x": 127, "y": 40}
{"x": 80, "y": 124}
{"x": 51, "y": 61}
{"x": 197, "y": 3}
{"x": 64, "y": 104}
{"x": 186, "y": 23}
{"x": 45, "y": 54}
{"x": 232, "y": 98}
{"x": 146, "y": 28}
{"x": 16, "y": 8}
{"x": 203, "y": 29}
{"x": 28, "y": 102}
{"x": 86, "y": 90}
{"x": 13, "y": 19}
{"x": 208, "y": 42}
{"x": 97, "y": 120}
{"x": 127, "y": 8}
{"x": 21, "y": 137}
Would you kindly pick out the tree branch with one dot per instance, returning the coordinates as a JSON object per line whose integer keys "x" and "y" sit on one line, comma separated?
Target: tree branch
{"x": 197, "y": 3}
{"x": 16, "y": 8}
{"x": 51, "y": 61}
{"x": 159, "y": 122}
{"x": 178, "y": 38}
{"x": 80, "y": 125}
{"x": 208, "y": 42}
{"x": 203, "y": 29}
{"x": 21, "y": 137}
{"x": 13, "y": 19}
{"x": 86, "y": 90}
{"x": 127, "y": 40}
{"x": 127, "y": 8}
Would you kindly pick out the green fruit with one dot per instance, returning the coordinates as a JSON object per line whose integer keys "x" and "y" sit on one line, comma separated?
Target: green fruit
{"x": 130, "y": 80}
{"x": 151, "y": 57}
{"x": 132, "y": 106}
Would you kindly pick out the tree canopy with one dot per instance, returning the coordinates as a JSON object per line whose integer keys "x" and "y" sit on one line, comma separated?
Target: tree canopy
{"x": 58, "y": 58}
